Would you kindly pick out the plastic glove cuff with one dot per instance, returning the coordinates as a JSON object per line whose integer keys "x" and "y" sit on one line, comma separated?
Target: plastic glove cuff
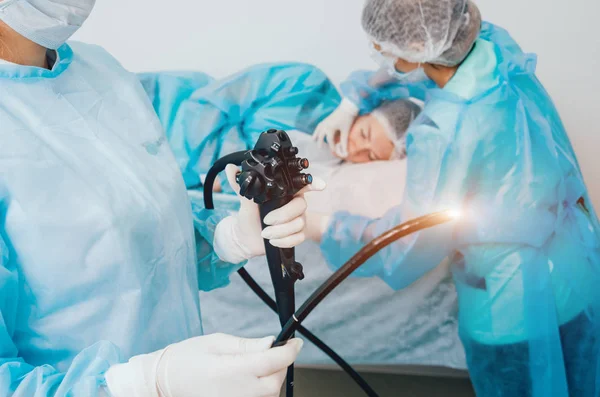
{"x": 348, "y": 107}
{"x": 136, "y": 378}
{"x": 160, "y": 391}
{"x": 226, "y": 242}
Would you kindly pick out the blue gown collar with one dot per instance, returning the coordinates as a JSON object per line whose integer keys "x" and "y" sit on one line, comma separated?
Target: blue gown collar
{"x": 64, "y": 59}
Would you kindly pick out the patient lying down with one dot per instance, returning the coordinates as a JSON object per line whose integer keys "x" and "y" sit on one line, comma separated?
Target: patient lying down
{"x": 381, "y": 134}
{"x": 376, "y": 136}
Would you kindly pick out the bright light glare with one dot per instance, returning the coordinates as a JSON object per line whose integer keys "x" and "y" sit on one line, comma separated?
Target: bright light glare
{"x": 454, "y": 214}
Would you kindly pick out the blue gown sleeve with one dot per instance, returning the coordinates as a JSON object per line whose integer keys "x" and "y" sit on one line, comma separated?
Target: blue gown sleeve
{"x": 85, "y": 376}
{"x": 430, "y": 187}
{"x": 168, "y": 92}
{"x": 368, "y": 89}
{"x": 205, "y": 119}
{"x": 212, "y": 271}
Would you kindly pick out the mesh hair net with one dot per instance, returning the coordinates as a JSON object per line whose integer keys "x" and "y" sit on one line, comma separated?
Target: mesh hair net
{"x": 423, "y": 31}
{"x": 396, "y": 117}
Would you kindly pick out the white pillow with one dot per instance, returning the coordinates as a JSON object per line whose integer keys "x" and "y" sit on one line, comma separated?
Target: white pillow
{"x": 368, "y": 189}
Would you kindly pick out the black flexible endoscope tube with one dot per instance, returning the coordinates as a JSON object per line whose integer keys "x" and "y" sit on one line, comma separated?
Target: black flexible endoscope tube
{"x": 237, "y": 158}
{"x": 309, "y": 335}
{"x": 357, "y": 260}
{"x": 234, "y": 158}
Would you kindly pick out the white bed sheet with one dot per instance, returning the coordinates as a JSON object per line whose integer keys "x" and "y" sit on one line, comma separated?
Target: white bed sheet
{"x": 364, "y": 320}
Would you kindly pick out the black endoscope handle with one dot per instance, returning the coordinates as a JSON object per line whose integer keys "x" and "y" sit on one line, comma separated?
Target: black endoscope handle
{"x": 282, "y": 283}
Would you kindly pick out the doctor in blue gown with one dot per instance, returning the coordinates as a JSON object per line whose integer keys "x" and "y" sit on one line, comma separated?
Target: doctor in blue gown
{"x": 101, "y": 256}
{"x": 490, "y": 143}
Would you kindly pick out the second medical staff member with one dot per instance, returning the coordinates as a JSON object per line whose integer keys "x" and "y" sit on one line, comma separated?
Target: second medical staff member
{"x": 101, "y": 256}
{"x": 526, "y": 253}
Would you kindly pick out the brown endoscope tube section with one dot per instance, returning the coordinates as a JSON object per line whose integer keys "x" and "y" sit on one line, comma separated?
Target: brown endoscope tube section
{"x": 403, "y": 230}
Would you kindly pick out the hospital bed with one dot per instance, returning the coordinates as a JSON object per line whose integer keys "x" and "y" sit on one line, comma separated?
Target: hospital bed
{"x": 377, "y": 329}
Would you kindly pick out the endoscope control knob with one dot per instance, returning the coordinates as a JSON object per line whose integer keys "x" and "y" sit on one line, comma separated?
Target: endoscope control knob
{"x": 297, "y": 271}
{"x": 250, "y": 183}
{"x": 302, "y": 180}
{"x": 298, "y": 164}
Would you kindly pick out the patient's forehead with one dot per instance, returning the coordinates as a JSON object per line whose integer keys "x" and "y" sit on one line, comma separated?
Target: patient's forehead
{"x": 378, "y": 141}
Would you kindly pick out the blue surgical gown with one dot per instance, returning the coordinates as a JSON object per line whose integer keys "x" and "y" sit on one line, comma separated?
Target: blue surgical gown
{"x": 101, "y": 255}
{"x": 526, "y": 252}
{"x": 205, "y": 119}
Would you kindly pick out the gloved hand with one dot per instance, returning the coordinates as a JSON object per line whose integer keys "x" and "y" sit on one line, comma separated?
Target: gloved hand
{"x": 240, "y": 237}
{"x": 211, "y": 366}
{"x": 316, "y": 226}
{"x": 339, "y": 122}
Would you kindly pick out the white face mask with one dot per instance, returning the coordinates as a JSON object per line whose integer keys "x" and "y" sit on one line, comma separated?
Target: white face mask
{"x": 414, "y": 76}
{"x": 382, "y": 60}
{"x": 49, "y": 23}
{"x": 389, "y": 63}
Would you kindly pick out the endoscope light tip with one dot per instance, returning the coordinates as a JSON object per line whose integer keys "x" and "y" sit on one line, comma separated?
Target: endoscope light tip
{"x": 455, "y": 214}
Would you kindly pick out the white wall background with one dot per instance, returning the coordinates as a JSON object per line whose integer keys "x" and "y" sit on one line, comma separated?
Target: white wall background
{"x": 222, "y": 36}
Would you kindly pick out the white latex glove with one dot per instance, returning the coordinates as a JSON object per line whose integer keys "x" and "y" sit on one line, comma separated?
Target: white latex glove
{"x": 210, "y": 366}
{"x": 316, "y": 226}
{"x": 339, "y": 122}
{"x": 240, "y": 237}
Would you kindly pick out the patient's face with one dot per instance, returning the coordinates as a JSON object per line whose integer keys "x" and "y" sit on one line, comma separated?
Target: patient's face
{"x": 368, "y": 141}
